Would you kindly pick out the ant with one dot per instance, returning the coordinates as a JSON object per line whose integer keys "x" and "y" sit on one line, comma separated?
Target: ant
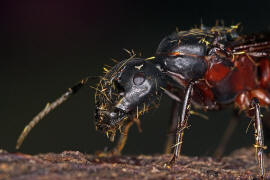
{"x": 208, "y": 68}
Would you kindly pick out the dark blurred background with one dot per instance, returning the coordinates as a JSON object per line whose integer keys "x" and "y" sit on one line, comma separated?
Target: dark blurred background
{"x": 47, "y": 46}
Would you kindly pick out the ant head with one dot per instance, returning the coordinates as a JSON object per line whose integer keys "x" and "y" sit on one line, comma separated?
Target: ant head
{"x": 129, "y": 89}
{"x": 184, "y": 54}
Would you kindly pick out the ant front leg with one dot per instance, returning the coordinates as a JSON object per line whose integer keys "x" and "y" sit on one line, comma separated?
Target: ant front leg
{"x": 172, "y": 127}
{"x": 182, "y": 124}
{"x": 122, "y": 140}
{"x": 254, "y": 112}
{"x": 120, "y": 143}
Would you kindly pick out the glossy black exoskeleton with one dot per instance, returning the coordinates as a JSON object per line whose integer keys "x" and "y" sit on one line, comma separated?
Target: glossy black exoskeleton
{"x": 128, "y": 89}
{"x": 207, "y": 68}
{"x": 185, "y": 57}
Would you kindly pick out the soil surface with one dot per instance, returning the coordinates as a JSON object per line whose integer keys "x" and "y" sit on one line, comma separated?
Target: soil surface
{"x": 75, "y": 165}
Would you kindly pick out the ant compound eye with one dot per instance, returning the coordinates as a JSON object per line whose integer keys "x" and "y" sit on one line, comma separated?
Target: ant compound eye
{"x": 138, "y": 78}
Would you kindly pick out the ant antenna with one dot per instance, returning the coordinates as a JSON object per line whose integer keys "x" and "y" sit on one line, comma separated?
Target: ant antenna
{"x": 50, "y": 107}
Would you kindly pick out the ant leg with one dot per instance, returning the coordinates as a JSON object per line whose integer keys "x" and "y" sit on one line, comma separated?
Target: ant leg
{"x": 182, "y": 124}
{"x": 227, "y": 135}
{"x": 254, "y": 112}
{"x": 48, "y": 108}
{"x": 122, "y": 140}
{"x": 172, "y": 125}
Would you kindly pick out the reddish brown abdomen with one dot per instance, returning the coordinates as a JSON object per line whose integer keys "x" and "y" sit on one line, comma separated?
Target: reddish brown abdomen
{"x": 227, "y": 82}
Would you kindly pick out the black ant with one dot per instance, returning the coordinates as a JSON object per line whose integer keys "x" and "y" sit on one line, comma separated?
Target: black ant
{"x": 207, "y": 68}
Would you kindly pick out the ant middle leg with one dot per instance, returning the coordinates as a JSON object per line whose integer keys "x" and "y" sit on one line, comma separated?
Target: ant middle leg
{"x": 227, "y": 135}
